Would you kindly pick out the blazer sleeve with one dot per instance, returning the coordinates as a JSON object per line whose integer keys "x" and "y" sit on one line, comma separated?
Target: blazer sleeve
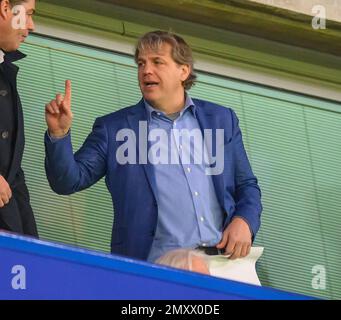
{"x": 247, "y": 192}
{"x": 67, "y": 172}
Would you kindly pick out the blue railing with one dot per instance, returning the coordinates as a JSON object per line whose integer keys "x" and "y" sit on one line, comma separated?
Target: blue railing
{"x": 34, "y": 269}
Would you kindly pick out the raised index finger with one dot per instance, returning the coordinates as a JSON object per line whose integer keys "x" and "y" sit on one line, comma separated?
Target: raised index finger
{"x": 67, "y": 97}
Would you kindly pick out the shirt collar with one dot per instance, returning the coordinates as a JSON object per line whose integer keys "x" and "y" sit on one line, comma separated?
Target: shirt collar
{"x": 9, "y": 57}
{"x": 2, "y": 55}
{"x": 189, "y": 104}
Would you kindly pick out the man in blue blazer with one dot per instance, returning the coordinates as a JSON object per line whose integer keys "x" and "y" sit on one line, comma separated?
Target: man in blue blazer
{"x": 176, "y": 167}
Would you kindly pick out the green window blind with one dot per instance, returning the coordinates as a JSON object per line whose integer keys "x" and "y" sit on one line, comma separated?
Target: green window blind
{"x": 293, "y": 142}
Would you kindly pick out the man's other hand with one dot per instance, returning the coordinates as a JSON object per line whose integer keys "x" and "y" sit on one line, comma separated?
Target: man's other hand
{"x": 236, "y": 239}
{"x": 5, "y": 192}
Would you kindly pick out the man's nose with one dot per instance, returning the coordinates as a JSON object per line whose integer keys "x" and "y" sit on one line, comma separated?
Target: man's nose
{"x": 30, "y": 24}
{"x": 147, "y": 69}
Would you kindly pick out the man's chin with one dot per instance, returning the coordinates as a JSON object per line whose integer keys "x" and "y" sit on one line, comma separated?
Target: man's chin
{"x": 150, "y": 96}
{"x": 12, "y": 48}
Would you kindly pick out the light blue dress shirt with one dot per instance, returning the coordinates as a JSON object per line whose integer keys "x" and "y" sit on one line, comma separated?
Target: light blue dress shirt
{"x": 189, "y": 214}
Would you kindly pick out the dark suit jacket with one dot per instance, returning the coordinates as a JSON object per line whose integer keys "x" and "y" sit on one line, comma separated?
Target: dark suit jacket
{"x": 17, "y": 215}
{"x": 132, "y": 186}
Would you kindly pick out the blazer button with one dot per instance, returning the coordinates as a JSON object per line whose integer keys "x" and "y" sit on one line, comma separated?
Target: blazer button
{"x": 3, "y": 93}
{"x": 4, "y": 135}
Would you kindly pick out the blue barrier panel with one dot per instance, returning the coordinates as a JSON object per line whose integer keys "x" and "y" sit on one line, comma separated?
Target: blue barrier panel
{"x": 34, "y": 269}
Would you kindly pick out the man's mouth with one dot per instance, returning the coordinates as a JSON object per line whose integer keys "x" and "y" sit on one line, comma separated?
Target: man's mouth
{"x": 150, "y": 84}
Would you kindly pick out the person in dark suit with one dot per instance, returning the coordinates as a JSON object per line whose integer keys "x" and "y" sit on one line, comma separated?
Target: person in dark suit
{"x": 15, "y": 210}
{"x": 162, "y": 202}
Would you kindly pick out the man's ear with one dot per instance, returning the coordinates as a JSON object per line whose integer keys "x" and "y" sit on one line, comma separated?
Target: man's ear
{"x": 185, "y": 71}
{"x": 5, "y": 9}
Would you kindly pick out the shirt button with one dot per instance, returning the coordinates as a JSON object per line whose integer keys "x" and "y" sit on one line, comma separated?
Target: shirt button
{"x": 196, "y": 193}
{"x": 204, "y": 244}
{"x": 4, "y": 135}
{"x": 189, "y": 170}
{"x": 202, "y": 219}
{"x": 3, "y": 93}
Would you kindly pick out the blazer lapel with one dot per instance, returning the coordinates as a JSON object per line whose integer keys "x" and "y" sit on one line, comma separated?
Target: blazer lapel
{"x": 137, "y": 120}
{"x": 208, "y": 120}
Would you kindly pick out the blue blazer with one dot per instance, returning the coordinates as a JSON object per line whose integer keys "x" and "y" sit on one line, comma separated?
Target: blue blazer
{"x": 132, "y": 186}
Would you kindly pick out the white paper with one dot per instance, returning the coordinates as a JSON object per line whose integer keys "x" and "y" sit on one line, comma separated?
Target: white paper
{"x": 242, "y": 269}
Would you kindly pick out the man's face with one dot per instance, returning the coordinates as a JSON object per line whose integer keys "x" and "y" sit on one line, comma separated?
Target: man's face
{"x": 160, "y": 77}
{"x": 13, "y": 30}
